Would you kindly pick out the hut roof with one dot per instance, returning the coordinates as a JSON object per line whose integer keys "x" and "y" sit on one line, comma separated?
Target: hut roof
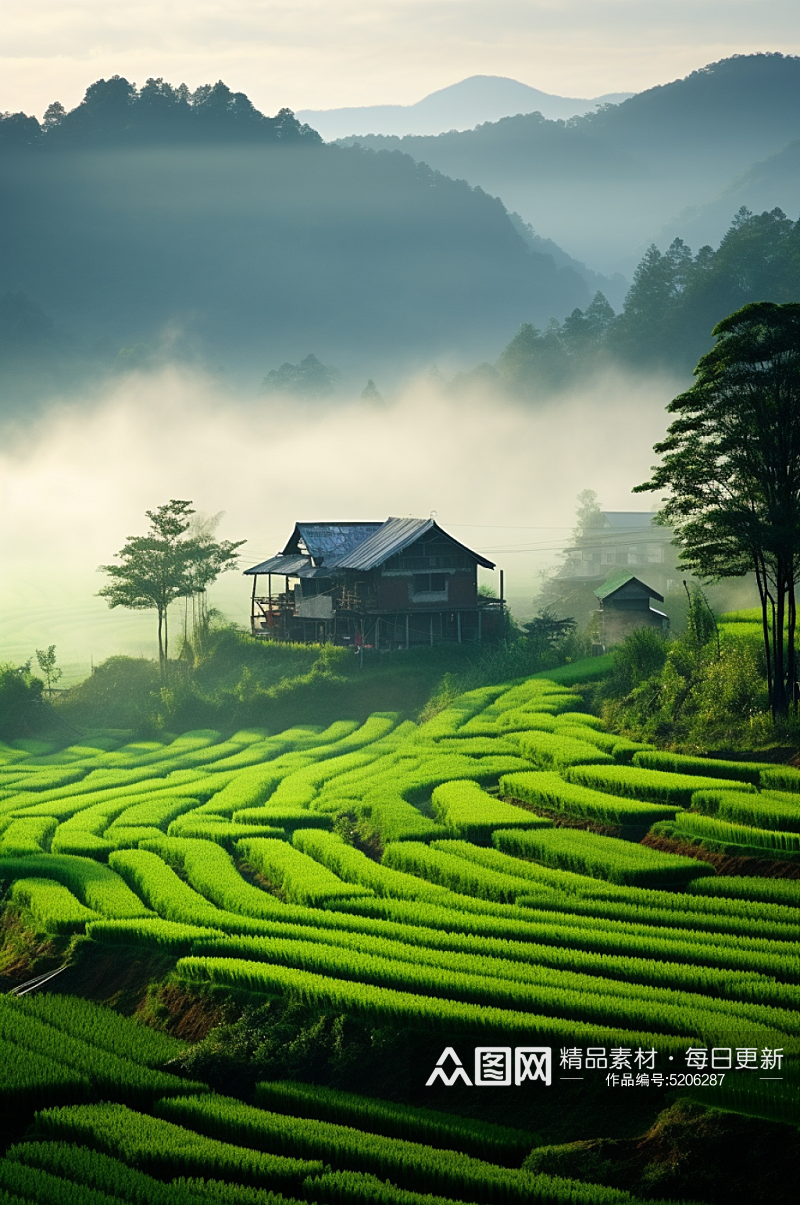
{"x": 291, "y": 566}
{"x": 358, "y": 546}
{"x": 621, "y": 578}
{"x": 392, "y": 538}
{"x": 325, "y": 541}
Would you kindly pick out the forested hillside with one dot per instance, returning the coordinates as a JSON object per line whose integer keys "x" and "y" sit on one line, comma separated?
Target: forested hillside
{"x": 774, "y": 181}
{"x": 154, "y": 218}
{"x": 604, "y": 183}
{"x": 675, "y": 301}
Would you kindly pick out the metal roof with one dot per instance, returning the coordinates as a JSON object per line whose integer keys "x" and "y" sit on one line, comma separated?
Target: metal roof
{"x": 359, "y": 546}
{"x": 393, "y": 537}
{"x": 622, "y": 578}
{"x": 390, "y": 538}
{"x": 328, "y": 540}
{"x": 290, "y": 566}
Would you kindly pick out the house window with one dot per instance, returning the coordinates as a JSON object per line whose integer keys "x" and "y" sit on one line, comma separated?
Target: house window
{"x": 430, "y": 583}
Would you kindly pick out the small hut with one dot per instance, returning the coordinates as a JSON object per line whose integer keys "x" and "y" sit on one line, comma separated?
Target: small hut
{"x": 385, "y": 585}
{"x": 625, "y": 604}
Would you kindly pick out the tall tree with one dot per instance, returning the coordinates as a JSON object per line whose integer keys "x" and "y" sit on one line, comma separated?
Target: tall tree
{"x": 207, "y": 558}
{"x": 46, "y": 659}
{"x": 731, "y": 461}
{"x": 587, "y": 516}
{"x": 166, "y": 563}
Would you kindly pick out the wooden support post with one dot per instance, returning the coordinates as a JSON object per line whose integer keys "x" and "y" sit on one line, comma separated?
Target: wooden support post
{"x": 253, "y": 606}
{"x": 458, "y": 624}
{"x": 431, "y": 626}
{"x": 406, "y": 629}
{"x": 480, "y": 624}
{"x": 377, "y": 632}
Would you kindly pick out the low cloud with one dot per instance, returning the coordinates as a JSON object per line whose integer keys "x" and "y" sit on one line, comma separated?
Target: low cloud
{"x": 502, "y": 477}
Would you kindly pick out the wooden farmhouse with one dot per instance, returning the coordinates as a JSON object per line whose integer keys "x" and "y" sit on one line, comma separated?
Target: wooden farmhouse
{"x": 382, "y": 585}
{"x": 625, "y": 605}
{"x": 623, "y": 539}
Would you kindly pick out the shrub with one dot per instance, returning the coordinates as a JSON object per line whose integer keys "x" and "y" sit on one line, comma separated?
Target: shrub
{"x": 20, "y": 700}
{"x": 695, "y": 696}
{"x": 641, "y": 655}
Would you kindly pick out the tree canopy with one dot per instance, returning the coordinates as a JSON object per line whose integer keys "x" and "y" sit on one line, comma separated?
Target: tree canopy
{"x": 115, "y": 112}
{"x": 731, "y": 463}
{"x": 168, "y": 562}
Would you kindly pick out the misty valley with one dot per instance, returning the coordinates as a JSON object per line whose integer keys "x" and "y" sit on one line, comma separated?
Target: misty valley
{"x": 399, "y": 667}
{"x": 149, "y": 226}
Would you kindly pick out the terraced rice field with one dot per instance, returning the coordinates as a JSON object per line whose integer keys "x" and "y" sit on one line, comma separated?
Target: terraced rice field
{"x": 463, "y": 909}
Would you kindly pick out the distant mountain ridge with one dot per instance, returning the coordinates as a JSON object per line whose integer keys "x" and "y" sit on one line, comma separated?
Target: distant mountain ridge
{"x": 460, "y": 106}
{"x": 148, "y": 223}
{"x": 603, "y": 184}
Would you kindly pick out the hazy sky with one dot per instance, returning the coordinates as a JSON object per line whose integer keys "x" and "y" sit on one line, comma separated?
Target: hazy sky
{"x": 329, "y": 53}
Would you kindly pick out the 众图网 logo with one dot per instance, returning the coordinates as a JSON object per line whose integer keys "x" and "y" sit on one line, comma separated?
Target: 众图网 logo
{"x": 495, "y": 1067}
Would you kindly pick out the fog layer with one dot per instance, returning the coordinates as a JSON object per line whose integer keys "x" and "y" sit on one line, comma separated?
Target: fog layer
{"x": 501, "y": 478}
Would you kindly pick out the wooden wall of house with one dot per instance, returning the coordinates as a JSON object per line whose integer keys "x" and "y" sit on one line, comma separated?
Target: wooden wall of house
{"x": 620, "y": 621}
{"x": 396, "y": 591}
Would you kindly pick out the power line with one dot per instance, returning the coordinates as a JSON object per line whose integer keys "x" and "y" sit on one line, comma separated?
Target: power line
{"x": 618, "y": 539}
